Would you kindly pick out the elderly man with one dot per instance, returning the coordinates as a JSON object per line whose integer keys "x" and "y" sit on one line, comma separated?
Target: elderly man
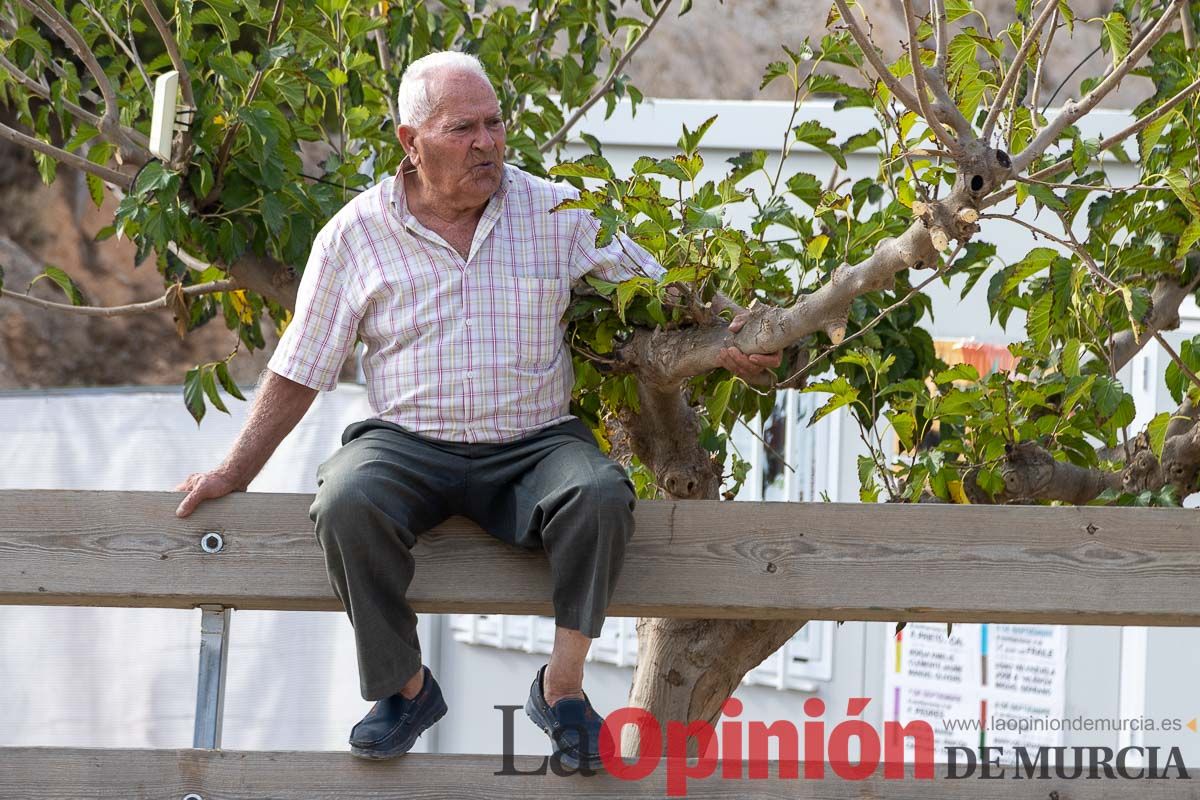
{"x": 455, "y": 276}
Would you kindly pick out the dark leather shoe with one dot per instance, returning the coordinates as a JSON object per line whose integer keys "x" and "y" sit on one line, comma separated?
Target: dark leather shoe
{"x": 572, "y": 725}
{"x": 392, "y": 726}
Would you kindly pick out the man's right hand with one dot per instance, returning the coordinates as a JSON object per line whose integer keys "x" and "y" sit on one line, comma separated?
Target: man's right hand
{"x": 202, "y": 486}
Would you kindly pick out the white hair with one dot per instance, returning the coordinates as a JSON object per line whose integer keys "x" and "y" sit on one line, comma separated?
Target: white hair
{"x": 413, "y": 102}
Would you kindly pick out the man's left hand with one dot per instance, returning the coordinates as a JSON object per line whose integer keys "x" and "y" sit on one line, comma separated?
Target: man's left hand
{"x": 748, "y": 368}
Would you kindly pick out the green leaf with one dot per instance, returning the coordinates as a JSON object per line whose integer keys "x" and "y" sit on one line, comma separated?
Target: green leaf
{"x": 957, "y": 9}
{"x": 960, "y": 56}
{"x": 590, "y": 166}
{"x": 603, "y": 287}
{"x": 690, "y": 140}
{"x": 776, "y": 69}
{"x": 95, "y": 189}
{"x": 817, "y": 135}
{"x": 905, "y": 424}
{"x": 152, "y": 177}
{"x": 64, "y": 282}
{"x": 1079, "y": 156}
{"x": 1034, "y": 262}
{"x": 1183, "y": 190}
{"x": 806, "y": 187}
{"x": 843, "y": 394}
{"x": 1150, "y": 135}
{"x": 273, "y": 213}
{"x": 990, "y": 481}
{"x": 47, "y": 167}
{"x": 625, "y": 293}
{"x": 816, "y": 246}
{"x": 209, "y": 383}
{"x": 868, "y": 488}
{"x": 1038, "y": 321}
{"x": 718, "y": 401}
{"x": 959, "y": 372}
{"x": 861, "y": 141}
{"x": 1046, "y": 196}
{"x": 1070, "y": 358}
{"x": 1068, "y": 15}
{"x": 1107, "y": 394}
{"x": 227, "y": 382}
{"x": 1188, "y": 239}
{"x": 193, "y": 394}
{"x": 1117, "y": 35}
{"x": 746, "y": 163}
{"x": 957, "y": 402}
{"x": 1157, "y": 431}
{"x": 1077, "y": 388}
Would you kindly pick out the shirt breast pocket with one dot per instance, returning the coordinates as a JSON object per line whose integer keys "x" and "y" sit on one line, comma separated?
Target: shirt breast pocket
{"x": 529, "y": 311}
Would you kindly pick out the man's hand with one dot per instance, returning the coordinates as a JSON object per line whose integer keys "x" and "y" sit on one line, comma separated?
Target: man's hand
{"x": 202, "y": 486}
{"x": 748, "y": 368}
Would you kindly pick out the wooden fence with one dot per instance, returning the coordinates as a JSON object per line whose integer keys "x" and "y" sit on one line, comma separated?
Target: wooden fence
{"x": 1068, "y": 565}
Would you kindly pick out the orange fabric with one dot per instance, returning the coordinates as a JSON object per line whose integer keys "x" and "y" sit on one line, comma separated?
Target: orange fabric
{"x": 986, "y": 358}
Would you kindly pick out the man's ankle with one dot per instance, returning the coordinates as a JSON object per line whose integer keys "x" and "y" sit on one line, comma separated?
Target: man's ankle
{"x": 414, "y": 685}
{"x": 553, "y": 697}
{"x": 553, "y": 691}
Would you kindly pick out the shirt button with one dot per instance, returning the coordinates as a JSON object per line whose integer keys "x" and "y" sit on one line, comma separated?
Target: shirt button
{"x": 467, "y": 322}
{"x": 470, "y": 374}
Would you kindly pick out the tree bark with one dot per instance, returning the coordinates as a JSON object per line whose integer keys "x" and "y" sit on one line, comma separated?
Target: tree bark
{"x": 688, "y": 668}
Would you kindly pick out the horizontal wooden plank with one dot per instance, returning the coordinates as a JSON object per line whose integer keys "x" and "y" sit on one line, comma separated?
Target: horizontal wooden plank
{"x": 46, "y": 773}
{"x": 688, "y": 559}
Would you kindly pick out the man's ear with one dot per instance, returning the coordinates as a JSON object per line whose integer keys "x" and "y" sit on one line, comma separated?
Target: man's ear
{"x": 406, "y": 135}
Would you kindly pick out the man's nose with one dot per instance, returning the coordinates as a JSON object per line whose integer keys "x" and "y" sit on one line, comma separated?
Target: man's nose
{"x": 484, "y": 140}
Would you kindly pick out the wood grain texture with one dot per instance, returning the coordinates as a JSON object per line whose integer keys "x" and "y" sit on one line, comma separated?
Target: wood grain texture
{"x": 1071, "y": 565}
{"x": 47, "y": 773}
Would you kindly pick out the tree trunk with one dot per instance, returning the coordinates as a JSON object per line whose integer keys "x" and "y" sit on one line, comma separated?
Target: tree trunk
{"x": 688, "y": 668}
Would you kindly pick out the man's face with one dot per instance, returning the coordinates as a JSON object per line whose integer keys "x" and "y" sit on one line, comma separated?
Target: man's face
{"x": 459, "y": 150}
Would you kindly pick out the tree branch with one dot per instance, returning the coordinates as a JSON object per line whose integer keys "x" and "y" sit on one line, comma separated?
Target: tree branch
{"x": 937, "y": 9}
{"x": 1032, "y": 473}
{"x": 43, "y": 91}
{"x": 944, "y": 105}
{"x": 1073, "y": 111}
{"x": 1130, "y": 130}
{"x": 884, "y": 74}
{"x": 796, "y": 378}
{"x": 70, "y": 159}
{"x": 119, "y": 42}
{"x": 168, "y": 38}
{"x": 1015, "y": 69}
{"x": 62, "y": 28}
{"x": 1184, "y": 368}
{"x": 385, "y": 63}
{"x": 1045, "y": 54}
{"x": 914, "y": 56}
{"x": 1165, "y": 300}
{"x": 603, "y": 88}
{"x": 131, "y": 149}
{"x": 231, "y": 133}
{"x": 125, "y": 310}
{"x": 266, "y": 276}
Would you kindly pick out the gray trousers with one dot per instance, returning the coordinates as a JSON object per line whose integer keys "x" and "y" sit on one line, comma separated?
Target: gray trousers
{"x": 553, "y": 491}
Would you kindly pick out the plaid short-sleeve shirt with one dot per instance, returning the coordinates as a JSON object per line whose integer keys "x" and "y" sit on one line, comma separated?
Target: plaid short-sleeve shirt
{"x": 460, "y": 350}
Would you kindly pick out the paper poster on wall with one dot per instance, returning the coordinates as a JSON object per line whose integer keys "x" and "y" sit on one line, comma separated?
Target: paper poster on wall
{"x": 978, "y": 685}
